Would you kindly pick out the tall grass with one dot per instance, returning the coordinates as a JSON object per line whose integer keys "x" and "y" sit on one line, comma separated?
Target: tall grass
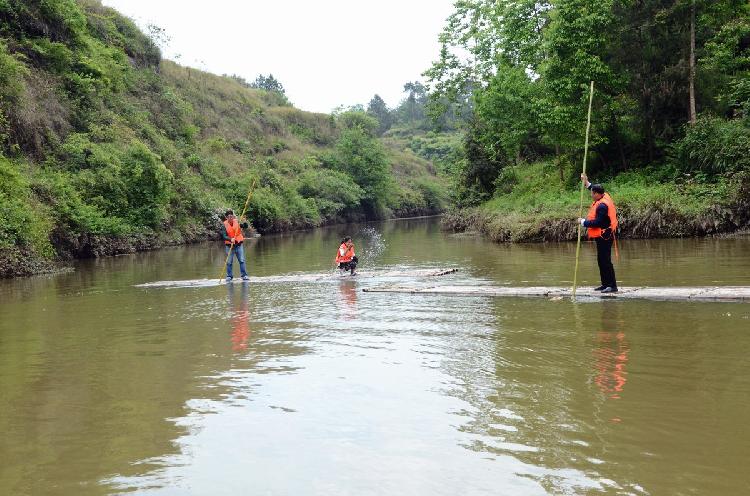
{"x": 538, "y": 207}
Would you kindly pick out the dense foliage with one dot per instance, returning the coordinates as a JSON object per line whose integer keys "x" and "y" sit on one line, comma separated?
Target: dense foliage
{"x": 672, "y": 89}
{"x": 105, "y": 147}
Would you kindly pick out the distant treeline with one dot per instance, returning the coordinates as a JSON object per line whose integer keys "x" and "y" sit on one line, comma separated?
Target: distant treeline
{"x": 417, "y": 112}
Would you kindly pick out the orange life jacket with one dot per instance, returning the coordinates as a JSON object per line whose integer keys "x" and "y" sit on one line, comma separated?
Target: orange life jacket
{"x": 596, "y": 232}
{"x": 233, "y": 231}
{"x": 348, "y": 253}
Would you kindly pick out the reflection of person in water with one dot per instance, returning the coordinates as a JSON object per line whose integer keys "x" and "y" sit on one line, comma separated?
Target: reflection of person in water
{"x": 348, "y": 299}
{"x": 611, "y": 353}
{"x": 240, "y": 317}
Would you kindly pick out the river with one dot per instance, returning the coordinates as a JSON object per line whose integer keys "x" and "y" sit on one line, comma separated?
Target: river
{"x": 316, "y": 388}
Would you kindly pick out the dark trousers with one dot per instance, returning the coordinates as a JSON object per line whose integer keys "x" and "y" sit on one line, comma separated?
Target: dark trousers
{"x": 604, "y": 259}
{"x": 349, "y": 265}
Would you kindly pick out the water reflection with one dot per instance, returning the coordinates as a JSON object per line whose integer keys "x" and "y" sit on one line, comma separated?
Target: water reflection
{"x": 347, "y": 301}
{"x": 525, "y": 378}
{"x": 611, "y": 353}
{"x": 106, "y": 387}
{"x": 240, "y": 315}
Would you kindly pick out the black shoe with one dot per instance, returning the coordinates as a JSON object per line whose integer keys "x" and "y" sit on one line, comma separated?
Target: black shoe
{"x": 609, "y": 289}
{"x": 600, "y": 288}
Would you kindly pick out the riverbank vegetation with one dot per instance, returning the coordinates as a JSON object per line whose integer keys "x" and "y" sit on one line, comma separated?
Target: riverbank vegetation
{"x": 107, "y": 148}
{"x": 670, "y": 133}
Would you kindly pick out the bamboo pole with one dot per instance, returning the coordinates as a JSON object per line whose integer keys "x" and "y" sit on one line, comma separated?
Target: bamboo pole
{"x": 239, "y": 219}
{"x": 580, "y": 208}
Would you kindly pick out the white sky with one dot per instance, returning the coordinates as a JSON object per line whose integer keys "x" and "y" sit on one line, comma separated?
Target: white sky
{"x": 326, "y": 52}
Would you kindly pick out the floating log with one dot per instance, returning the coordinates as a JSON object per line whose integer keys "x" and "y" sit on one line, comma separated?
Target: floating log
{"x": 303, "y": 277}
{"x": 700, "y": 293}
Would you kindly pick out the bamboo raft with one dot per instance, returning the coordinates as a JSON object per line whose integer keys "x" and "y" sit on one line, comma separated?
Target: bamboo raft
{"x": 700, "y": 293}
{"x": 302, "y": 277}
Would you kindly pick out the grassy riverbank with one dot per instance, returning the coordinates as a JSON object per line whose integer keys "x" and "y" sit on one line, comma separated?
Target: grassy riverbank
{"x": 531, "y": 204}
{"x": 106, "y": 148}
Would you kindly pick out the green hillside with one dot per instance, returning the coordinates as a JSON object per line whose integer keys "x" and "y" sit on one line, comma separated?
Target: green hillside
{"x": 107, "y": 148}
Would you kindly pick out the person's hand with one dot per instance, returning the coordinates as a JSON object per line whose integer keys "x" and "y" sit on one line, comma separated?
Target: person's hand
{"x": 233, "y": 241}
{"x": 581, "y": 221}
{"x": 585, "y": 180}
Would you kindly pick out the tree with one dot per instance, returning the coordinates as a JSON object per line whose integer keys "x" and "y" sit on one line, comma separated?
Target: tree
{"x": 482, "y": 34}
{"x": 726, "y": 58}
{"x": 362, "y": 157}
{"x": 693, "y": 115}
{"x": 470, "y": 47}
{"x": 268, "y": 83}
{"x": 576, "y": 39}
{"x": 507, "y": 107}
{"x": 378, "y": 109}
{"x": 412, "y": 109}
{"x": 274, "y": 91}
{"x": 527, "y": 64}
{"x": 479, "y": 171}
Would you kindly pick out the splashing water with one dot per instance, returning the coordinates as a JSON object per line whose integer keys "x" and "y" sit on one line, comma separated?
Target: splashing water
{"x": 374, "y": 244}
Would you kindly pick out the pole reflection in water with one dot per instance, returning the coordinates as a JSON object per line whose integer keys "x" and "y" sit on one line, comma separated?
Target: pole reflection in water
{"x": 240, "y": 316}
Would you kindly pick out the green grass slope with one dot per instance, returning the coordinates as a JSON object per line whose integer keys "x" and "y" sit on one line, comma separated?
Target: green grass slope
{"x": 106, "y": 148}
{"x": 531, "y": 204}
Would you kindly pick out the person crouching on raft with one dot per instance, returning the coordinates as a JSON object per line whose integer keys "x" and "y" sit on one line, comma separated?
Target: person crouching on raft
{"x": 601, "y": 223}
{"x": 233, "y": 238}
{"x": 345, "y": 257}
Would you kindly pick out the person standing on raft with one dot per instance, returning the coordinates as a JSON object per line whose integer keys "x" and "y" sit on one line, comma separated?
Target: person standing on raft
{"x": 345, "y": 257}
{"x": 233, "y": 238}
{"x": 601, "y": 223}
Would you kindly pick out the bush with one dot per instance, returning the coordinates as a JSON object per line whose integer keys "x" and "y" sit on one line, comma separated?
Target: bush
{"x": 148, "y": 186}
{"x": 713, "y": 146}
{"x": 334, "y": 191}
{"x": 217, "y": 144}
{"x": 314, "y": 128}
{"x": 14, "y": 209}
{"x": 131, "y": 184}
{"x": 359, "y": 120}
{"x": 265, "y": 209}
{"x": 70, "y": 211}
{"x": 191, "y": 197}
{"x": 434, "y": 194}
{"x": 299, "y": 211}
{"x": 56, "y": 57}
{"x": 11, "y": 90}
{"x": 444, "y": 150}
{"x": 112, "y": 28}
{"x": 21, "y": 224}
{"x": 407, "y": 201}
{"x": 363, "y": 158}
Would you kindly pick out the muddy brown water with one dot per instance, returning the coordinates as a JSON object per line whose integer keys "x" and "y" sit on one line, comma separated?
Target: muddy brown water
{"x": 316, "y": 388}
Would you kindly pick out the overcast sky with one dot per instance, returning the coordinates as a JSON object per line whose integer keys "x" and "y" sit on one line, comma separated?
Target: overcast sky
{"x": 325, "y": 52}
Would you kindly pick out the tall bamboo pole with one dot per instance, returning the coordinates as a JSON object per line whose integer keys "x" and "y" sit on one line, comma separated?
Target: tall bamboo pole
{"x": 580, "y": 208}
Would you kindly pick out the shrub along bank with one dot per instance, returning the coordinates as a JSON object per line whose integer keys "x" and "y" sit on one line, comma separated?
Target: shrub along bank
{"x": 535, "y": 206}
